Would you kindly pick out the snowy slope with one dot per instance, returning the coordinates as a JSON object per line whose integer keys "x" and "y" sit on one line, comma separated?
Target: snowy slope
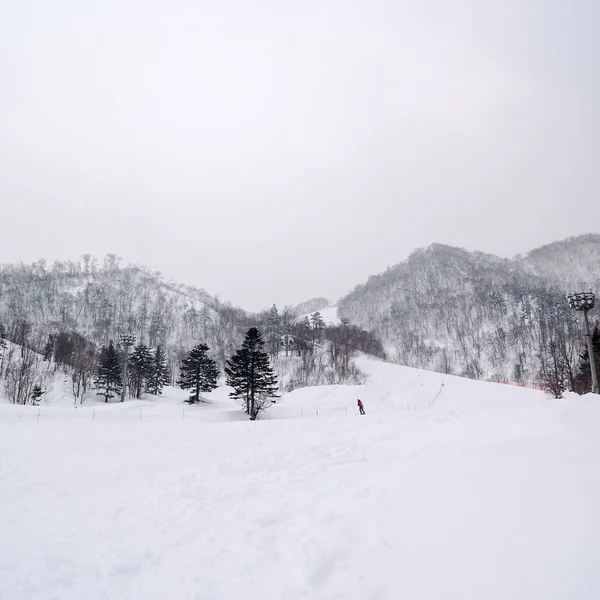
{"x": 475, "y": 314}
{"x": 478, "y": 491}
{"x": 329, "y": 314}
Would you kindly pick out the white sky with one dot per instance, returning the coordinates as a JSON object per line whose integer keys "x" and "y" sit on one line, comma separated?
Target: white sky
{"x": 272, "y": 151}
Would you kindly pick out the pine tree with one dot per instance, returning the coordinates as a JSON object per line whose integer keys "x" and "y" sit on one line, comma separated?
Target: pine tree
{"x": 140, "y": 368}
{"x": 49, "y": 348}
{"x": 108, "y": 375}
{"x": 273, "y": 330}
{"x": 158, "y": 373}
{"x": 199, "y": 373}
{"x": 251, "y": 376}
{"x": 36, "y": 393}
{"x": 318, "y": 325}
{"x": 583, "y": 379}
{"x": 305, "y": 325}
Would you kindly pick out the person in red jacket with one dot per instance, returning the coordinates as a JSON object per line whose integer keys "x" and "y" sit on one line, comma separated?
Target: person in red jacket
{"x": 361, "y": 408}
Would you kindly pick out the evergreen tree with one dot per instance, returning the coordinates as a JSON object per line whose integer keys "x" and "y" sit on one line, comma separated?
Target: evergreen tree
{"x": 317, "y": 325}
{"x": 140, "y": 368}
{"x": 583, "y": 379}
{"x": 305, "y": 327}
{"x": 273, "y": 330}
{"x": 49, "y": 348}
{"x": 108, "y": 375}
{"x": 251, "y": 376}
{"x": 302, "y": 336}
{"x": 199, "y": 373}
{"x": 158, "y": 373}
{"x": 36, "y": 393}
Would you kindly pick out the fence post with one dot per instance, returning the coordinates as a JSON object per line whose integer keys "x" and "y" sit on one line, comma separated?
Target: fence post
{"x": 317, "y": 411}
{"x": 38, "y": 415}
{"x": 93, "y": 413}
{"x": 183, "y": 413}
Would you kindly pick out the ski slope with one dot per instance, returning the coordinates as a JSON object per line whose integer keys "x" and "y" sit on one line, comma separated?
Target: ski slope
{"x": 468, "y": 490}
{"x": 329, "y": 314}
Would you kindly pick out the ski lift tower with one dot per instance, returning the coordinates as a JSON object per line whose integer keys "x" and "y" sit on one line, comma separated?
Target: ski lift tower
{"x": 584, "y": 302}
{"x": 126, "y": 342}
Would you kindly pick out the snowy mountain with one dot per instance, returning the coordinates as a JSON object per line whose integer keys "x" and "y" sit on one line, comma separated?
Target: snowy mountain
{"x": 572, "y": 264}
{"x": 444, "y": 308}
{"x": 476, "y": 314}
{"x": 471, "y": 481}
{"x": 99, "y": 302}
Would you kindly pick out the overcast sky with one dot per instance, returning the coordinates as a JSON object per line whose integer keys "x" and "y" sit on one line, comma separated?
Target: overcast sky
{"x": 272, "y": 151}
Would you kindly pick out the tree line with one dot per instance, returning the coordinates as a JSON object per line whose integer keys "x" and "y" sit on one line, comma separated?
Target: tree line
{"x": 249, "y": 373}
{"x": 560, "y": 372}
{"x": 473, "y": 314}
{"x": 147, "y": 371}
{"x": 314, "y": 353}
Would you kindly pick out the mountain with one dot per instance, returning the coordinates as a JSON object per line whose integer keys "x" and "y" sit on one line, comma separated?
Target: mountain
{"x": 102, "y": 301}
{"x": 444, "y": 309}
{"x": 571, "y": 265}
{"x": 476, "y": 314}
{"x": 60, "y": 316}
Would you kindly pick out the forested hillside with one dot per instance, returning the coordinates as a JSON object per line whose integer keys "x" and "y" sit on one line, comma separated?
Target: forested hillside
{"x": 570, "y": 264}
{"x": 479, "y": 315}
{"x": 101, "y": 301}
{"x": 444, "y": 309}
{"x": 72, "y": 316}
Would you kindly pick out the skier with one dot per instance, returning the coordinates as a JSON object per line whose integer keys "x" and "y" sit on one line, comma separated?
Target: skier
{"x": 361, "y": 408}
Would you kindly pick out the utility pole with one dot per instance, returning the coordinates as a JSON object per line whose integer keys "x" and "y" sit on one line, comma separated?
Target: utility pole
{"x": 584, "y": 302}
{"x": 126, "y": 342}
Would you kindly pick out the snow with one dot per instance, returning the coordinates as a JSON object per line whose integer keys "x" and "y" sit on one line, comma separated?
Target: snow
{"x": 329, "y": 314}
{"x": 468, "y": 490}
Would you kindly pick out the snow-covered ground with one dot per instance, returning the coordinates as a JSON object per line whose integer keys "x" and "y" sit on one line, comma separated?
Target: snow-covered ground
{"x": 329, "y": 314}
{"x": 469, "y": 490}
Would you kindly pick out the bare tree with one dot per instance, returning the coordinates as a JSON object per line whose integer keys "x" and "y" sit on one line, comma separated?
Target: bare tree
{"x": 20, "y": 374}
{"x": 83, "y": 366}
{"x": 552, "y": 372}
